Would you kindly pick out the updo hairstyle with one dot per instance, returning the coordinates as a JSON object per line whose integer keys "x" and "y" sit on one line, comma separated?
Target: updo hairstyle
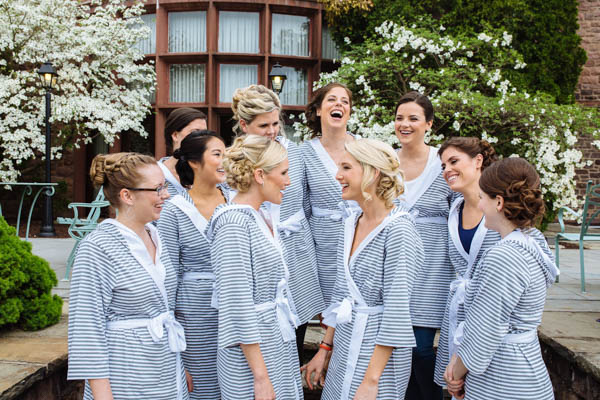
{"x": 313, "y": 121}
{"x": 519, "y": 184}
{"x": 250, "y": 102}
{"x": 117, "y": 171}
{"x": 179, "y": 119}
{"x": 419, "y": 98}
{"x": 247, "y": 154}
{"x": 192, "y": 148}
{"x": 471, "y": 146}
{"x": 374, "y": 156}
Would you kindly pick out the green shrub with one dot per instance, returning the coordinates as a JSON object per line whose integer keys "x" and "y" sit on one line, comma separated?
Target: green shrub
{"x": 25, "y": 284}
{"x": 544, "y": 32}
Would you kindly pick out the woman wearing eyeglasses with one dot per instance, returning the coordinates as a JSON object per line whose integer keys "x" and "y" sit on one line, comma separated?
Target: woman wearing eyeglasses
{"x": 182, "y": 226}
{"x": 124, "y": 340}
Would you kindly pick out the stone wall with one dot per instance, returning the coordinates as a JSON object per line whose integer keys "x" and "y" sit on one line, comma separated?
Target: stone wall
{"x": 588, "y": 90}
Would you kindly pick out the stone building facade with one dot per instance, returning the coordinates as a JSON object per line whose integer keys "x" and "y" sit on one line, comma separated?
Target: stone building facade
{"x": 588, "y": 90}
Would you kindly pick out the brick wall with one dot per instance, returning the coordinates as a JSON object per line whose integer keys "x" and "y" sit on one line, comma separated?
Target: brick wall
{"x": 588, "y": 90}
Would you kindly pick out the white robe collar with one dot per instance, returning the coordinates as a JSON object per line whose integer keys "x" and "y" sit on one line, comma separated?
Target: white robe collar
{"x": 156, "y": 268}
{"x": 477, "y": 241}
{"x": 419, "y": 185}
{"x": 349, "y": 230}
{"x": 170, "y": 177}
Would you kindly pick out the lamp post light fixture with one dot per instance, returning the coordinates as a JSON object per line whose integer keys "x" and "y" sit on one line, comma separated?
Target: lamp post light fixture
{"x": 48, "y": 76}
{"x": 277, "y": 78}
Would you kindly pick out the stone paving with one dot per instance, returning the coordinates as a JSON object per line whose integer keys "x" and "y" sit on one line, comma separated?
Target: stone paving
{"x": 570, "y": 322}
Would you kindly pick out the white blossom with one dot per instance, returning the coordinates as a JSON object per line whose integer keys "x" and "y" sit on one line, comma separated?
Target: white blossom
{"x": 102, "y": 88}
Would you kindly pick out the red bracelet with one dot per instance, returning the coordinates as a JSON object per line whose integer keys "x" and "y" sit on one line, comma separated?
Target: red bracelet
{"x": 326, "y": 346}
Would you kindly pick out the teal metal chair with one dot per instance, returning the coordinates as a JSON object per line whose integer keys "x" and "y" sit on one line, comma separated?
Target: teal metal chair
{"x": 80, "y": 227}
{"x": 592, "y": 198}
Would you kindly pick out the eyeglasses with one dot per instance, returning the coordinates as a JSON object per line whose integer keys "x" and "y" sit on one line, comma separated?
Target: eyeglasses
{"x": 157, "y": 190}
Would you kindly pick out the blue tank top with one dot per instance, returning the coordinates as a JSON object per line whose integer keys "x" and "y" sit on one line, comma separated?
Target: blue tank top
{"x": 465, "y": 235}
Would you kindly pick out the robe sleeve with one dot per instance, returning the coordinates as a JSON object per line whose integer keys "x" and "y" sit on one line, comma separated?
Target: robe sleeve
{"x": 90, "y": 296}
{"x": 305, "y": 191}
{"x": 500, "y": 281}
{"x": 168, "y": 228}
{"x": 231, "y": 255}
{"x": 403, "y": 249}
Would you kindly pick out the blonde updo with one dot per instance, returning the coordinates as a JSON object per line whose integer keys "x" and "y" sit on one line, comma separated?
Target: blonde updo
{"x": 250, "y": 102}
{"x": 247, "y": 154}
{"x": 117, "y": 171}
{"x": 374, "y": 156}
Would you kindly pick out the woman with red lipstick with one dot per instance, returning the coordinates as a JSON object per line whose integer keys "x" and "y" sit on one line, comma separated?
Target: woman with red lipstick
{"x": 182, "y": 226}
{"x": 369, "y": 325}
{"x": 257, "y": 111}
{"x": 427, "y": 195}
{"x": 327, "y": 116}
{"x": 256, "y": 356}
{"x": 124, "y": 340}
{"x": 463, "y": 161}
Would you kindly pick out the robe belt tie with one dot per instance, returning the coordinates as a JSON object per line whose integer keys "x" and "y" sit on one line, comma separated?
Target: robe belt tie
{"x": 341, "y": 313}
{"x": 459, "y": 287}
{"x": 204, "y": 276}
{"x": 509, "y": 338}
{"x": 431, "y": 220}
{"x": 287, "y": 319}
{"x": 343, "y": 211}
{"x": 156, "y": 326}
{"x": 292, "y": 224}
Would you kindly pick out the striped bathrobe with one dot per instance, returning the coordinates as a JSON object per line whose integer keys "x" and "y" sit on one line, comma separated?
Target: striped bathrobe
{"x": 111, "y": 282}
{"x": 324, "y": 209}
{"x": 182, "y": 228}
{"x": 297, "y": 238}
{"x": 382, "y": 271}
{"x": 431, "y": 205}
{"x": 506, "y": 297}
{"x": 249, "y": 267}
{"x": 460, "y": 262}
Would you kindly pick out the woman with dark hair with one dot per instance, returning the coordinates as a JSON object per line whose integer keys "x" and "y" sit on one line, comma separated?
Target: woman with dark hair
{"x": 327, "y": 116}
{"x": 498, "y": 354}
{"x": 428, "y": 196}
{"x": 182, "y": 226}
{"x": 463, "y": 161}
{"x": 180, "y": 123}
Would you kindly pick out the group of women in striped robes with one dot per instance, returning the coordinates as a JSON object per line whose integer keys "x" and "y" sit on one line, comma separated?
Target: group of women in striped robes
{"x": 203, "y": 285}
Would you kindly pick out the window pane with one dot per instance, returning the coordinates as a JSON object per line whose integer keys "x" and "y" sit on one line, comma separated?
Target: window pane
{"x": 186, "y": 83}
{"x": 187, "y": 32}
{"x": 238, "y": 32}
{"x": 290, "y": 35}
{"x": 330, "y": 50}
{"x": 233, "y": 77}
{"x": 148, "y": 45}
{"x": 295, "y": 88}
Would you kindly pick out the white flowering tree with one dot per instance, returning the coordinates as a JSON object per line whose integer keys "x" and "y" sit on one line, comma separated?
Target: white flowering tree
{"x": 468, "y": 80}
{"x": 102, "y": 88}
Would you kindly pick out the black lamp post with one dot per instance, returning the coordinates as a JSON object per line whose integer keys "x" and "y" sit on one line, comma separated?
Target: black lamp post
{"x": 277, "y": 78}
{"x": 48, "y": 76}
